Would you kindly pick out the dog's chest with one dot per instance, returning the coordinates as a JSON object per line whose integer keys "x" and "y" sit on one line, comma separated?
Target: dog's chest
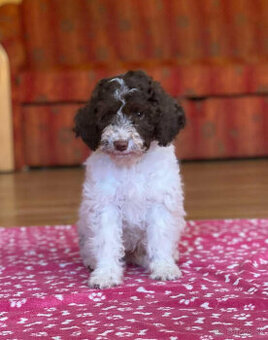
{"x": 133, "y": 204}
{"x": 132, "y": 197}
{"x": 134, "y": 189}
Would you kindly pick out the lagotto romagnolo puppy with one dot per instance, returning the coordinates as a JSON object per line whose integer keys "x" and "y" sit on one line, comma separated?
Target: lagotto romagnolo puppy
{"x": 132, "y": 204}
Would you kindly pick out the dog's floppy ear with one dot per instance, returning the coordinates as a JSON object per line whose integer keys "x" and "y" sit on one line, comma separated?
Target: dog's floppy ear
{"x": 171, "y": 117}
{"x": 86, "y": 127}
{"x": 86, "y": 120}
{"x": 171, "y": 122}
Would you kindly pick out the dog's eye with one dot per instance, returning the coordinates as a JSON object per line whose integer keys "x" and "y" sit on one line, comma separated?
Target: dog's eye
{"x": 140, "y": 115}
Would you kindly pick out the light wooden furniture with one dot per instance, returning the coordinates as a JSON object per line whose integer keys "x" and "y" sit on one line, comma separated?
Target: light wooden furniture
{"x": 3, "y": 2}
{"x": 6, "y": 128}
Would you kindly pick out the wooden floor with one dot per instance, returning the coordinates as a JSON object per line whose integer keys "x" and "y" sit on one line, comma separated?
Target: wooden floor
{"x": 213, "y": 189}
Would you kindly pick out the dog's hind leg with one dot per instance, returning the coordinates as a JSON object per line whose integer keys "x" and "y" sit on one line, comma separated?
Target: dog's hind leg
{"x": 138, "y": 257}
{"x": 86, "y": 253}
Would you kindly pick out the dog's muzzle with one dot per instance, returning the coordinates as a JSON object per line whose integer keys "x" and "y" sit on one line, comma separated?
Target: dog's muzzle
{"x": 120, "y": 145}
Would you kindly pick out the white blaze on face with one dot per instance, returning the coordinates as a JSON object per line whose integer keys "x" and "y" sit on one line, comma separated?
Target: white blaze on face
{"x": 121, "y": 128}
{"x": 121, "y": 92}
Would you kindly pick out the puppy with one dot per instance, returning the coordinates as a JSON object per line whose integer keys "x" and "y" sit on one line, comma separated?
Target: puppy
{"x": 132, "y": 204}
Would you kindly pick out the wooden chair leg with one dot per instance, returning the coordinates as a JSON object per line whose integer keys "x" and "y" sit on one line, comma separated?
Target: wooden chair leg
{"x": 6, "y": 126}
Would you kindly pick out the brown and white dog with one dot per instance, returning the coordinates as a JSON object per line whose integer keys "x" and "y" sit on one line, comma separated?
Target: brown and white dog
{"x": 132, "y": 204}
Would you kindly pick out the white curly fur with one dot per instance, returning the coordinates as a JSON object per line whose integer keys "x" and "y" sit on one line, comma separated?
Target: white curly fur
{"x": 131, "y": 211}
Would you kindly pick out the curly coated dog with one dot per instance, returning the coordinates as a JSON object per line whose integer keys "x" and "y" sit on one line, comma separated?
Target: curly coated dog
{"x": 132, "y": 204}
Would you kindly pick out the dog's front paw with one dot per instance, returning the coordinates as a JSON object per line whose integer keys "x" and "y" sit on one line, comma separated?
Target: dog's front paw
{"x": 165, "y": 271}
{"x": 102, "y": 278}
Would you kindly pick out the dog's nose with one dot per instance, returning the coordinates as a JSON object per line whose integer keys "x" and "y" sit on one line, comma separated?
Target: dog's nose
{"x": 121, "y": 145}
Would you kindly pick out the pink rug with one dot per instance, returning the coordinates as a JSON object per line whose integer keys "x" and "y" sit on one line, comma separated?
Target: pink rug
{"x": 223, "y": 293}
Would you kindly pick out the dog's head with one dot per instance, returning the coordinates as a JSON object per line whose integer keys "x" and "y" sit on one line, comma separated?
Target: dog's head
{"x": 126, "y": 113}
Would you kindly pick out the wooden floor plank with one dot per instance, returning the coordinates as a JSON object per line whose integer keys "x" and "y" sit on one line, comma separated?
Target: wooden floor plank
{"x": 213, "y": 189}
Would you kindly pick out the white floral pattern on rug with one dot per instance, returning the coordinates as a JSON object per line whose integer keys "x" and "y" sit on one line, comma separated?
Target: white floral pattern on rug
{"x": 223, "y": 293}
